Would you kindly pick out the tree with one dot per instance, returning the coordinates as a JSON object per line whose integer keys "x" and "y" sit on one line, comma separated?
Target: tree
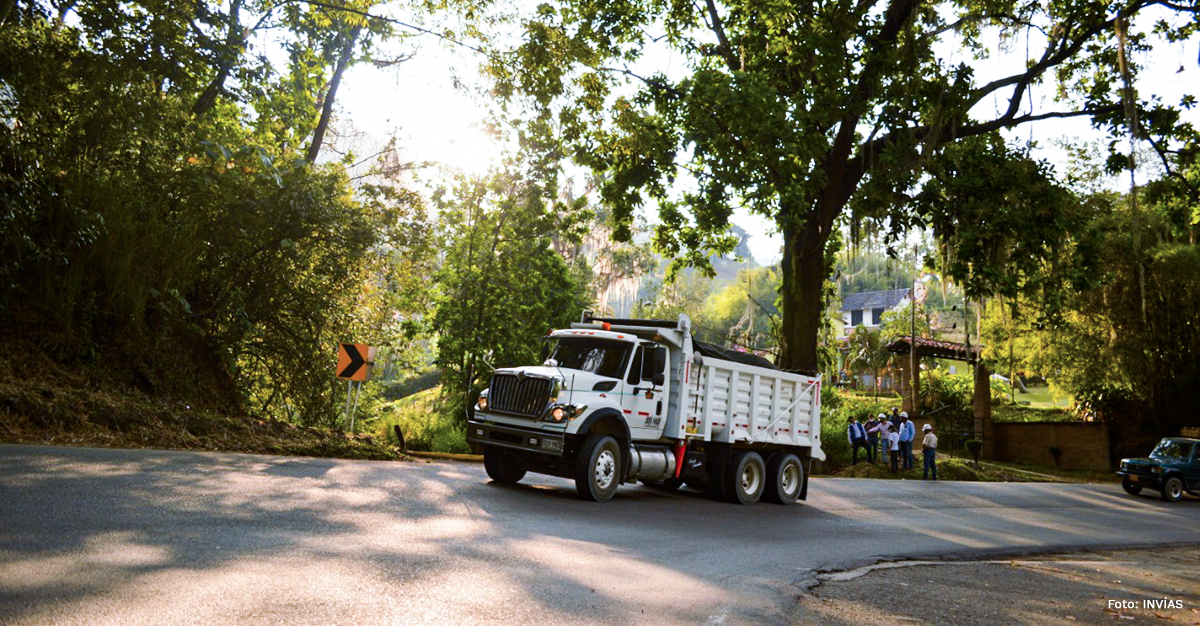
{"x": 868, "y": 351}
{"x": 1136, "y": 367}
{"x": 501, "y": 284}
{"x": 168, "y": 249}
{"x": 803, "y": 113}
{"x": 743, "y": 313}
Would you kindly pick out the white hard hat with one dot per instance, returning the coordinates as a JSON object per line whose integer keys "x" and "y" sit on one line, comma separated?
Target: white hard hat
{"x": 927, "y": 427}
{"x": 903, "y": 413}
{"x": 882, "y": 416}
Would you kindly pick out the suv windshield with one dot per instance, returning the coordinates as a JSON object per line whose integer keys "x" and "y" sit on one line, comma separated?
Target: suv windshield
{"x": 1172, "y": 449}
{"x": 599, "y": 356}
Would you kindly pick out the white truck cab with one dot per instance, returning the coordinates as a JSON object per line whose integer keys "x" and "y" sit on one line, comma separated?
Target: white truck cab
{"x": 617, "y": 400}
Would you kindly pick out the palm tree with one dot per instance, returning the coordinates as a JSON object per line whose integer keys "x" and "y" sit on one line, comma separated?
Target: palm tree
{"x": 867, "y": 352}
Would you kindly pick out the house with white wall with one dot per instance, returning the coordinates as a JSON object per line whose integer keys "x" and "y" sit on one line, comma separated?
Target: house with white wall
{"x": 867, "y": 308}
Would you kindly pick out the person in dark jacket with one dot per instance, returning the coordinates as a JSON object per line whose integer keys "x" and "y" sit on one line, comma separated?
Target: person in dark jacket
{"x": 857, "y": 435}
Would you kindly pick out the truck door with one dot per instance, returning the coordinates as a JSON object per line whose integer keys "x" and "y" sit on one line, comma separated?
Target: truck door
{"x": 645, "y": 398}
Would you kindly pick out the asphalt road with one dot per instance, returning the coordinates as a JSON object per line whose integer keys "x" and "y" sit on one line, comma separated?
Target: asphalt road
{"x": 129, "y": 536}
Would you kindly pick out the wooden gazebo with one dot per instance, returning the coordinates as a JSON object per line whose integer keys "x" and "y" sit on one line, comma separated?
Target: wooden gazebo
{"x": 953, "y": 351}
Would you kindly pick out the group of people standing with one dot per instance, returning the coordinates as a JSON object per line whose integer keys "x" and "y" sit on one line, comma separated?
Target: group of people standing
{"x": 892, "y": 436}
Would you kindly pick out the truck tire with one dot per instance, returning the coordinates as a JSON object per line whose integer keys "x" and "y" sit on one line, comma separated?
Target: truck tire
{"x": 598, "y": 468}
{"x": 1130, "y": 488}
{"x": 501, "y": 467}
{"x": 1172, "y": 489}
{"x": 785, "y": 477}
{"x": 745, "y": 477}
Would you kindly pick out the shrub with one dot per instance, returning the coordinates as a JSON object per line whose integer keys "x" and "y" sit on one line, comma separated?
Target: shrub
{"x": 428, "y": 423}
{"x": 974, "y": 446}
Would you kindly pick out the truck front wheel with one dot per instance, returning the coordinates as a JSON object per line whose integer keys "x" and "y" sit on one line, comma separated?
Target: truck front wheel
{"x": 501, "y": 467}
{"x": 745, "y": 478}
{"x": 785, "y": 476}
{"x": 598, "y": 468}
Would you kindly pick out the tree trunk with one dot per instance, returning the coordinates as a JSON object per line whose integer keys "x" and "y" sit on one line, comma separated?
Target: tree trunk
{"x": 234, "y": 40}
{"x": 6, "y": 7}
{"x": 803, "y": 270}
{"x": 331, "y": 94}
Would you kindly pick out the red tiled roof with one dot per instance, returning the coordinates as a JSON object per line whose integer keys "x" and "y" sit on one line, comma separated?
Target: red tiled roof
{"x": 936, "y": 349}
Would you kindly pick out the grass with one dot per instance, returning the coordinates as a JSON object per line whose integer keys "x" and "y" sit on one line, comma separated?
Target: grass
{"x": 48, "y": 404}
{"x": 1042, "y": 396}
{"x": 425, "y": 422}
{"x": 1021, "y": 413}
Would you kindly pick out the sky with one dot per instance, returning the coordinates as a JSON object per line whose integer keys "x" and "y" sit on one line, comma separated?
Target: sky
{"x": 437, "y": 121}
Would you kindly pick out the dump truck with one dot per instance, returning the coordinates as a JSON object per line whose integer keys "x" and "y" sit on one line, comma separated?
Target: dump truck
{"x": 622, "y": 400}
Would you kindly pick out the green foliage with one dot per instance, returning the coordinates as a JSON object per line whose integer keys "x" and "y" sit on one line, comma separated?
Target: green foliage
{"x": 998, "y": 215}
{"x": 805, "y": 117}
{"x": 743, "y": 313}
{"x": 163, "y": 242}
{"x": 975, "y": 447}
{"x": 1021, "y": 413}
{"x": 956, "y": 392}
{"x": 836, "y": 417}
{"x": 1127, "y": 345}
{"x": 502, "y": 286}
{"x": 867, "y": 351}
{"x": 428, "y": 423}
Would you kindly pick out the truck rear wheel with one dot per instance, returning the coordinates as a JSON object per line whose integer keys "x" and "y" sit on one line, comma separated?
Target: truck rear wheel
{"x": 745, "y": 478}
{"x": 501, "y": 466}
{"x": 598, "y": 468}
{"x": 785, "y": 476}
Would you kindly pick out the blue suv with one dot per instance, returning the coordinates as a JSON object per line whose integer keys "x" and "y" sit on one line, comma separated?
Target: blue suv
{"x": 1171, "y": 469}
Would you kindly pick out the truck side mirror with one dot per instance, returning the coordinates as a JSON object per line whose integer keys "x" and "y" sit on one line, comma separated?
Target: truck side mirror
{"x": 545, "y": 349}
{"x": 652, "y": 368}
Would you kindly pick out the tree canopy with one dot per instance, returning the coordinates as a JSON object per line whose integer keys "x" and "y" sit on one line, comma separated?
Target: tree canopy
{"x": 811, "y": 113}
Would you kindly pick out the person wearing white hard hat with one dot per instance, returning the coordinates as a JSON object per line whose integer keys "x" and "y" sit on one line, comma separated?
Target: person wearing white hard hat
{"x": 908, "y": 432}
{"x": 929, "y": 449}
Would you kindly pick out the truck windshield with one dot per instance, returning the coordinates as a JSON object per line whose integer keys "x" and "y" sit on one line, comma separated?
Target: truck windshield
{"x": 1171, "y": 450}
{"x": 599, "y": 356}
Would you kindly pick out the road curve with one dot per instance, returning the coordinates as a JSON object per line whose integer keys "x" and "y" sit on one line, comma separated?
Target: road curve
{"x": 132, "y": 536}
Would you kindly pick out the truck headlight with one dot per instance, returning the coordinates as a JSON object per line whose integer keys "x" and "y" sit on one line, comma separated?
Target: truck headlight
{"x": 559, "y": 413}
{"x": 1157, "y": 469}
{"x": 482, "y": 403}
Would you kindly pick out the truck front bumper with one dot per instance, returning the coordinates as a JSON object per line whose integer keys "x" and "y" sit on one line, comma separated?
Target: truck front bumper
{"x": 486, "y": 434}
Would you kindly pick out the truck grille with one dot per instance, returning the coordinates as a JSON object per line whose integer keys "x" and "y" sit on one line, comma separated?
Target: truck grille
{"x": 518, "y": 394}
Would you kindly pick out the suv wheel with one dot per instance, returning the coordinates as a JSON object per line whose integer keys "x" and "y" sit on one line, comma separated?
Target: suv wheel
{"x": 1172, "y": 489}
{"x": 1130, "y": 488}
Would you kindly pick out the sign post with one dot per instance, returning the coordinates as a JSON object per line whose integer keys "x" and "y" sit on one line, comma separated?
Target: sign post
{"x": 354, "y": 365}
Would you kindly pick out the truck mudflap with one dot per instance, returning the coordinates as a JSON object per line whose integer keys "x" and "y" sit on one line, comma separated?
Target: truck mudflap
{"x": 484, "y": 434}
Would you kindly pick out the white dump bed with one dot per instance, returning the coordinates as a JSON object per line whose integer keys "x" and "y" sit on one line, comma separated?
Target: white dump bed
{"x": 735, "y": 403}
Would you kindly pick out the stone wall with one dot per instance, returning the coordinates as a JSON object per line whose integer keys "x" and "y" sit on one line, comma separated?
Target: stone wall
{"x": 1084, "y": 444}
